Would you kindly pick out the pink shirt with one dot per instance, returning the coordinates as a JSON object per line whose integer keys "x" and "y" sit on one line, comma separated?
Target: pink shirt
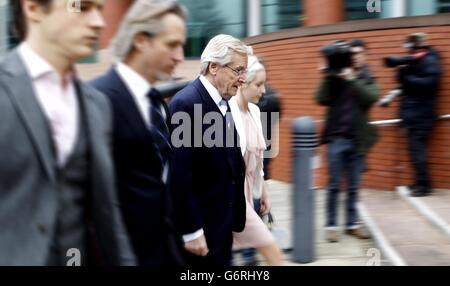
{"x": 57, "y": 100}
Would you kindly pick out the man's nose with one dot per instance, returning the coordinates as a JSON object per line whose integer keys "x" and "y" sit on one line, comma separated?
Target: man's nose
{"x": 179, "y": 54}
{"x": 96, "y": 19}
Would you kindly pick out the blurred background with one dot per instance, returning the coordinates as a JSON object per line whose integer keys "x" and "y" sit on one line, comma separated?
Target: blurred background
{"x": 288, "y": 35}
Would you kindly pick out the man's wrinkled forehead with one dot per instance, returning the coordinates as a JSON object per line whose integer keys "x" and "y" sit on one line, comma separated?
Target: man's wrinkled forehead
{"x": 239, "y": 60}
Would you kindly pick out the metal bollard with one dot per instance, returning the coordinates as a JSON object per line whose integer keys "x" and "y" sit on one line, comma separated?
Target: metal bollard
{"x": 304, "y": 145}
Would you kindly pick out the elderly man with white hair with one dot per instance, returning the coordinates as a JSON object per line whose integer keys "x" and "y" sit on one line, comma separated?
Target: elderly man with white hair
{"x": 208, "y": 179}
{"x": 148, "y": 45}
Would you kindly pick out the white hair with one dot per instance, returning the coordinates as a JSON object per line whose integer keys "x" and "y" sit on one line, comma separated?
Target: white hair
{"x": 144, "y": 16}
{"x": 253, "y": 67}
{"x": 220, "y": 49}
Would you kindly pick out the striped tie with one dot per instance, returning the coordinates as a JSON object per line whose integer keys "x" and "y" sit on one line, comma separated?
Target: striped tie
{"x": 158, "y": 125}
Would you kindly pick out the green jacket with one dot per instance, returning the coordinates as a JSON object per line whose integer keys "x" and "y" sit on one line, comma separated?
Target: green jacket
{"x": 366, "y": 93}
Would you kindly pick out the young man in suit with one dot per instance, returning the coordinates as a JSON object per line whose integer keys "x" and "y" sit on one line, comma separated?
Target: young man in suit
{"x": 58, "y": 203}
{"x": 208, "y": 179}
{"x": 149, "y": 44}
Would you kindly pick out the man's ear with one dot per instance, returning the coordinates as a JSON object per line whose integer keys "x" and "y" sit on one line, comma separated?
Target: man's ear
{"x": 213, "y": 68}
{"x": 140, "y": 40}
{"x": 33, "y": 11}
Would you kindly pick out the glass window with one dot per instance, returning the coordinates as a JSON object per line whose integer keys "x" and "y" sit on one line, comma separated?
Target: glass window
{"x": 421, "y": 7}
{"x": 357, "y": 9}
{"x": 280, "y": 14}
{"x": 209, "y": 18}
{"x": 444, "y": 6}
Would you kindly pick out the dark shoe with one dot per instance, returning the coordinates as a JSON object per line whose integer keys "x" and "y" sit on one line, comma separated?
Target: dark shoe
{"x": 331, "y": 235}
{"x": 421, "y": 191}
{"x": 251, "y": 263}
{"x": 360, "y": 232}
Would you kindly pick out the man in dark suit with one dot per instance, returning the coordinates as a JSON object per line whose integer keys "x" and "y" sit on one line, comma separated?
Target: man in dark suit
{"x": 150, "y": 45}
{"x": 208, "y": 179}
{"x": 58, "y": 202}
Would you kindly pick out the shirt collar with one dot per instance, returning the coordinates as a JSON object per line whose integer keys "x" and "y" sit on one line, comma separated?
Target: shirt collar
{"x": 136, "y": 83}
{"x": 213, "y": 92}
{"x": 36, "y": 65}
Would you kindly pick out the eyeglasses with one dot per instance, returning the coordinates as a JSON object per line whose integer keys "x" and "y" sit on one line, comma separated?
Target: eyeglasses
{"x": 237, "y": 72}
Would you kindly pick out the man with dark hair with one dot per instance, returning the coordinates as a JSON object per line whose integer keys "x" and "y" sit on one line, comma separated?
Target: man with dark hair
{"x": 58, "y": 202}
{"x": 359, "y": 56}
{"x": 348, "y": 94}
{"x": 419, "y": 83}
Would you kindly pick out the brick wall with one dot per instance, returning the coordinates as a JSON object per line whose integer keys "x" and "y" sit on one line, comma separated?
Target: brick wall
{"x": 292, "y": 66}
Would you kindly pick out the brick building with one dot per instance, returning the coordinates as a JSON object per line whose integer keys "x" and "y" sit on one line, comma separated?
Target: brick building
{"x": 288, "y": 35}
{"x": 292, "y": 57}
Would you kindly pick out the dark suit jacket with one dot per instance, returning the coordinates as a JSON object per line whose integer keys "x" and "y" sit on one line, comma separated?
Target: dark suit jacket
{"x": 420, "y": 87}
{"x": 208, "y": 182}
{"x": 28, "y": 180}
{"x": 143, "y": 194}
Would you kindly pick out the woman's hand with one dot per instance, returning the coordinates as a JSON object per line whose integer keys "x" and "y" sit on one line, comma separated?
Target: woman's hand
{"x": 265, "y": 203}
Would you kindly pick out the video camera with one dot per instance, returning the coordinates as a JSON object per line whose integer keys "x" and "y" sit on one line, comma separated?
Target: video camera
{"x": 393, "y": 61}
{"x": 397, "y": 61}
{"x": 338, "y": 56}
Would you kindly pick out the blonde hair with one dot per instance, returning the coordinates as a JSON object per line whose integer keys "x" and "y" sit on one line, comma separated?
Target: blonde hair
{"x": 220, "y": 50}
{"x": 253, "y": 67}
{"x": 144, "y": 16}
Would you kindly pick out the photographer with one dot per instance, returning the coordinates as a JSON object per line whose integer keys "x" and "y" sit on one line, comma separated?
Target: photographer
{"x": 348, "y": 90}
{"x": 419, "y": 76}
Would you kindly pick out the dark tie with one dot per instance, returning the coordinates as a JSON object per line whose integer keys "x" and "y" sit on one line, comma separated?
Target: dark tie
{"x": 158, "y": 125}
{"x": 227, "y": 113}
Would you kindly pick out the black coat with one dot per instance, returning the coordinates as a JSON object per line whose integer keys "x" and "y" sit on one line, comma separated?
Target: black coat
{"x": 145, "y": 199}
{"x": 207, "y": 182}
{"x": 420, "y": 84}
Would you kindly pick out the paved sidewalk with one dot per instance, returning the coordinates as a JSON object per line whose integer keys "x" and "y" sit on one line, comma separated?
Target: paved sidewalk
{"x": 349, "y": 251}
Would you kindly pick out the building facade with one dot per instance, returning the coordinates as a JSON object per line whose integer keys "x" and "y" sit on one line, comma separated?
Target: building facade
{"x": 288, "y": 34}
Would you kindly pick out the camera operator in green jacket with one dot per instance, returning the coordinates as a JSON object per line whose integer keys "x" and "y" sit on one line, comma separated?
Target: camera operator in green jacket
{"x": 348, "y": 90}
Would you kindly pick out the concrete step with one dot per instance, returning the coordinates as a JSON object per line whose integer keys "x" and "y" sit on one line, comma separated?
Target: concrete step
{"x": 349, "y": 251}
{"x": 435, "y": 208}
{"x": 403, "y": 233}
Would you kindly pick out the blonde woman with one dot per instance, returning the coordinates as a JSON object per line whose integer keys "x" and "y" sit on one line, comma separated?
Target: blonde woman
{"x": 246, "y": 115}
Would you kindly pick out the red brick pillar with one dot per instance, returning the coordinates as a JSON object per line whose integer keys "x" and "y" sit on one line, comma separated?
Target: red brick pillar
{"x": 113, "y": 11}
{"x": 321, "y": 12}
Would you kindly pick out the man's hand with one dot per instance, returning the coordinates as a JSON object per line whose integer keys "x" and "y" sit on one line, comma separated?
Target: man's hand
{"x": 347, "y": 74}
{"x": 197, "y": 246}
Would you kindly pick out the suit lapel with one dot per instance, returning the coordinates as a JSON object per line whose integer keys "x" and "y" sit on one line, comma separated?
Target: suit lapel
{"x": 211, "y": 106}
{"x": 24, "y": 99}
{"x": 127, "y": 105}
